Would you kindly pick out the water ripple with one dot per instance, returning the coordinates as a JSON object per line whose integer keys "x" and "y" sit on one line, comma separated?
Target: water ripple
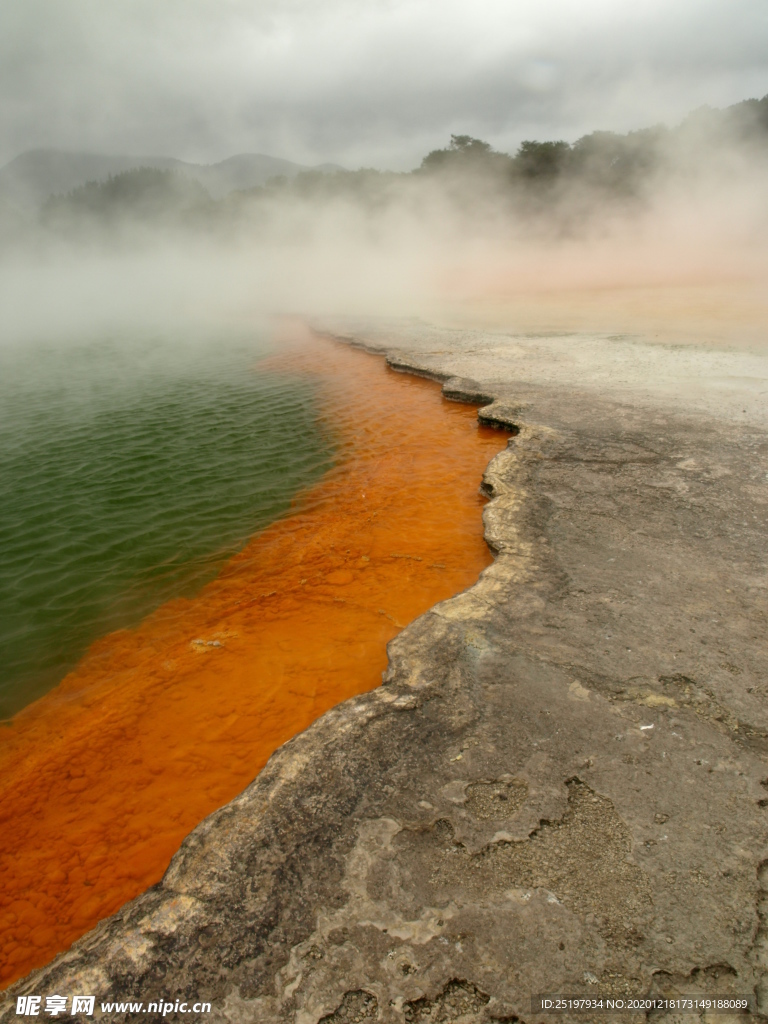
{"x": 128, "y": 475}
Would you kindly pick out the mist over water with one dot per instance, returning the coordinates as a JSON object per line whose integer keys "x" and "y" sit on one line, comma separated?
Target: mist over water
{"x": 139, "y": 446}
{"x": 131, "y": 468}
{"x": 659, "y": 208}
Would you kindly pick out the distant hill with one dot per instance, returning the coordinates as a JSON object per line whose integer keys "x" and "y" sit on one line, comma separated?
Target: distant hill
{"x": 560, "y": 185}
{"x": 28, "y": 180}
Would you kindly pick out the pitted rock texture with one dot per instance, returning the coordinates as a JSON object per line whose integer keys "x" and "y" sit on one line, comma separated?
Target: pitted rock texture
{"x": 561, "y": 787}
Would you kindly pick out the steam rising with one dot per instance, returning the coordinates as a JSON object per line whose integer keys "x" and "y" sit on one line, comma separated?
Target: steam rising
{"x": 684, "y": 208}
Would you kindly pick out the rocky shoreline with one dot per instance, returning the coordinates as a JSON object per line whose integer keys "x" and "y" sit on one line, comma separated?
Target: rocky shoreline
{"x": 562, "y": 785}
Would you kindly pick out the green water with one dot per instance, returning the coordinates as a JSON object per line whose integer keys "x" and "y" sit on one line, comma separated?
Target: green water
{"x": 129, "y": 472}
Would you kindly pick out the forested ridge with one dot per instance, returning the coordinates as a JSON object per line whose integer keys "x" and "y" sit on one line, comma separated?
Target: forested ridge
{"x": 600, "y": 168}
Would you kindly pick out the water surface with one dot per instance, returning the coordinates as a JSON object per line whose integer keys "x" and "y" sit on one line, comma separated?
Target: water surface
{"x": 130, "y": 470}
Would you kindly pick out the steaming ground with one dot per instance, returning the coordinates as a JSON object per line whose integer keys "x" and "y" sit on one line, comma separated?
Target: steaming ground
{"x": 644, "y": 370}
{"x": 597, "y": 316}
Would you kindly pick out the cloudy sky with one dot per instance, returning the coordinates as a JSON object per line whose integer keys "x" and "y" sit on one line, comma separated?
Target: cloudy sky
{"x": 362, "y": 82}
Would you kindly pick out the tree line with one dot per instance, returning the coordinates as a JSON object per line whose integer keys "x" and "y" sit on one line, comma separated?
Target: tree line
{"x": 604, "y": 165}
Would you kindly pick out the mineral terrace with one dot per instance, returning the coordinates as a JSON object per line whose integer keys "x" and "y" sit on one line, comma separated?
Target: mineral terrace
{"x": 562, "y": 785}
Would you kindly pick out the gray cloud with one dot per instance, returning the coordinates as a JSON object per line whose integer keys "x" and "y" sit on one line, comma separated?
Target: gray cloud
{"x": 374, "y": 82}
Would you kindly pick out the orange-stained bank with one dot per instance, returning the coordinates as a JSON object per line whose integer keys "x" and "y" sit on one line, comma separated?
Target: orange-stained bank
{"x": 160, "y": 725}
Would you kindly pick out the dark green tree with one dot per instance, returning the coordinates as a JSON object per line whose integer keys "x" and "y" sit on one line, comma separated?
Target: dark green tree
{"x": 463, "y": 152}
{"x": 541, "y": 160}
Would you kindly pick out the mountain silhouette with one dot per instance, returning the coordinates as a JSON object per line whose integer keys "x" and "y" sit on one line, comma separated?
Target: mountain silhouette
{"x": 29, "y": 179}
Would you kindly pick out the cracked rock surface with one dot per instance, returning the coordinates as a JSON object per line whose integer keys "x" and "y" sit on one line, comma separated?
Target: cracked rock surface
{"x": 561, "y": 787}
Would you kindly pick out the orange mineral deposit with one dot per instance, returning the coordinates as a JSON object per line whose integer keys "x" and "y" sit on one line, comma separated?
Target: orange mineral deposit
{"x": 159, "y": 725}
